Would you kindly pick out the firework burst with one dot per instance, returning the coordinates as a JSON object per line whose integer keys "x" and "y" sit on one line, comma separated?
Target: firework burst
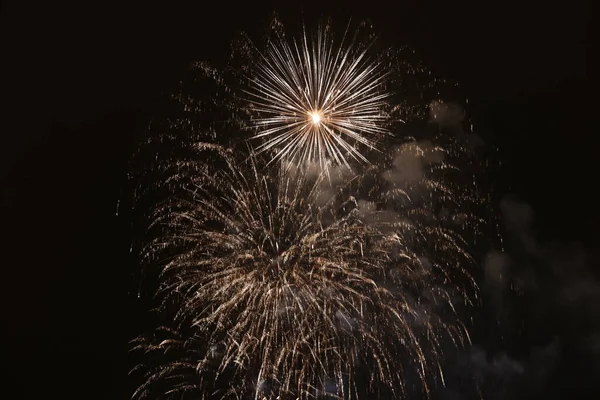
{"x": 294, "y": 285}
{"x": 281, "y": 281}
{"x": 317, "y": 101}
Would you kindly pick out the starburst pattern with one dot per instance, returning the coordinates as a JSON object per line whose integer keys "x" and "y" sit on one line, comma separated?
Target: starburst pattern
{"x": 318, "y": 101}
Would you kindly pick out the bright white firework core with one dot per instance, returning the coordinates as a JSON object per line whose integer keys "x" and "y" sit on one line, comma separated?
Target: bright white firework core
{"x": 316, "y": 117}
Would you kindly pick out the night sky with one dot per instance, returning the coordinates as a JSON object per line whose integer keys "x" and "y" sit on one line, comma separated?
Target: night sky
{"x": 79, "y": 82}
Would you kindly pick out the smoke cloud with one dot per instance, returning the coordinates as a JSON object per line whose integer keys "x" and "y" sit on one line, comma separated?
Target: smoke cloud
{"x": 541, "y": 337}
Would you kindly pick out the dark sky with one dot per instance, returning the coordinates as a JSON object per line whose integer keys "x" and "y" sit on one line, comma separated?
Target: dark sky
{"x": 79, "y": 78}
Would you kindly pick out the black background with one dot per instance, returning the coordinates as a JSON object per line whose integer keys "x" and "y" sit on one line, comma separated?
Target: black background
{"x": 79, "y": 80}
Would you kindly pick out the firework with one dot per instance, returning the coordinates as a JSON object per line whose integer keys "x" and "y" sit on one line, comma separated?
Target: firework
{"x": 282, "y": 281}
{"x": 317, "y": 101}
{"x": 293, "y": 284}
